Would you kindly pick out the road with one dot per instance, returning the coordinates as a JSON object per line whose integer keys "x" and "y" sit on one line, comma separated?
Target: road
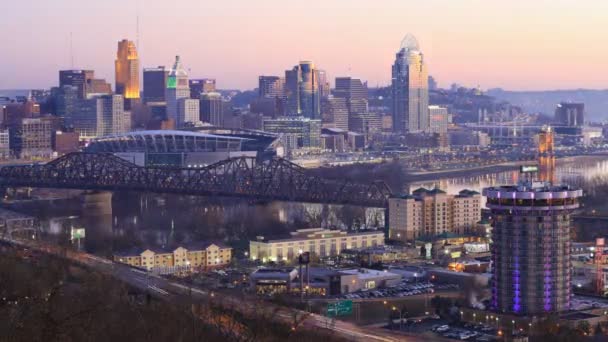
{"x": 172, "y": 291}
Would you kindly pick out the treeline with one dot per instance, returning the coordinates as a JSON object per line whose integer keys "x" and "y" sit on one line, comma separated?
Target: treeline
{"x": 46, "y": 299}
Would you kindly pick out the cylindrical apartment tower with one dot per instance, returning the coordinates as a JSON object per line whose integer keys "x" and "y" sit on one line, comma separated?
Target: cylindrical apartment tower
{"x": 531, "y": 272}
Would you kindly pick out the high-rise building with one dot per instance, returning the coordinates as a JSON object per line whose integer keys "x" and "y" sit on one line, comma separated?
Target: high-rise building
{"x": 111, "y": 116}
{"x": 438, "y": 119}
{"x": 100, "y": 116}
{"x": 302, "y": 91}
{"x": 570, "y": 114}
{"x": 189, "y": 110}
{"x": 367, "y": 123}
{"x": 354, "y": 91}
{"x": 5, "y": 148}
{"x": 127, "y": 70}
{"x": 432, "y": 83}
{"x": 296, "y": 132}
{"x": 177, "y": 88}
{"x": 324, "y": 88}
{"x": 531, "y": 266}
{"x": 334, "y": 112}
{"x": 32, "y": 138}
{"x": 428, "y": 213}
{"x": 201, "y": 86}
{"x": 76, "y": 78}
{"x": 66, "y": 100}
{"x": 96, "y": 86}
{"x": 212, "y": 109}
{"x": 271, "y": 87}
{"x": 410, "y": 89}
{"x": 155, "y": 83}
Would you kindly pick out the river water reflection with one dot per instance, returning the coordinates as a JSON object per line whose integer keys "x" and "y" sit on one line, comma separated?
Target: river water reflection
{"x": 121, "y": 221}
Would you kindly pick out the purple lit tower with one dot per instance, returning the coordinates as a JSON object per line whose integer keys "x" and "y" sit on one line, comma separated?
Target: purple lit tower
{"x": 531, "y": 272}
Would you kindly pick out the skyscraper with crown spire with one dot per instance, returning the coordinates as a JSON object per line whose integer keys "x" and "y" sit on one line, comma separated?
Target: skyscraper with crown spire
{"x": 127, "y": 70}
{"x": 177, "y": 88}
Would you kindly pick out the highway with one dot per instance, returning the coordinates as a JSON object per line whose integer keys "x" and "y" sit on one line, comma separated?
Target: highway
{"x": 172, "y": 291}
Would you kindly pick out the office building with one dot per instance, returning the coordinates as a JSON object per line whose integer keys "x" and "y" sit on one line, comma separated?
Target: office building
{"x": 302, "y": 91}
{"x": 323, "y": 81}
{"x": 177, "y": 88}
{"x": 127, "y": 70}
{"x": 531, "y": 266}
{"x": 438, "y": 120}
{"x": 191, "y": 256}
{"x": 98, "y": 86}
{"x": 155, "y": 83}
{"x": 354, "y": 91}
{"x": 334, "y": 112}
{"x": 428, "y": 213}
{"x": 212, "y": 109}
{"x": 318, "y": 241}
{"x": 410, "y": 89}
{"x": 271, "y": 87}
{"x": 32, "y": 139}
{"x": 76, "y": 78}
{"x": 5, "y": 148}
{"x": 296, "y": 132}
{"x": 570, "y": 114}
{"x": 189, "y": 111}
{"x": 365, "y": 122}
{"x": 100, "y": 116}
{"x": 201, "y": 86}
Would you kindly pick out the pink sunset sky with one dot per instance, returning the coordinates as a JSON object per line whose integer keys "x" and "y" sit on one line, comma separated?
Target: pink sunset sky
{"x": 516, "y": 44}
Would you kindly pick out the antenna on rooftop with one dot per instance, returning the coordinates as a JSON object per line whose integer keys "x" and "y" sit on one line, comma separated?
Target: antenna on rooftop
{"x": 71, "y": 52}
{"x": 137, "y": 24}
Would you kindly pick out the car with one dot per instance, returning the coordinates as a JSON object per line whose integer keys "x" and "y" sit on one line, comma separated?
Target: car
{"x": 442, "y": 328}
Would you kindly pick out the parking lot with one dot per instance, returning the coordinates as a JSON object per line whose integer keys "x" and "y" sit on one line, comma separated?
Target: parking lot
{"x": 401, "y": 290}
{"x": 467, "y": 331}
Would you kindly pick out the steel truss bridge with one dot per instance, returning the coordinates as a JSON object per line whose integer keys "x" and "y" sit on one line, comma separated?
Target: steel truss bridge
{"x": 245, "y": 177}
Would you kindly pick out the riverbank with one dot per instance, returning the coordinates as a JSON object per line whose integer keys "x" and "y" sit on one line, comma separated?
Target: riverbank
{"x": 421, "y": 176}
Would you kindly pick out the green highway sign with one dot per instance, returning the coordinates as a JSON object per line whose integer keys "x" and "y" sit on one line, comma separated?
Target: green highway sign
{"x": 77, "y": 233}
{"x": 341, "y": 308}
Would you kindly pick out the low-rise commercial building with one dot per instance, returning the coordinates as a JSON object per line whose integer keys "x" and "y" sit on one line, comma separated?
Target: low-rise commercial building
{"x": 192, "y": 256}
{"x": 318, "y": 241}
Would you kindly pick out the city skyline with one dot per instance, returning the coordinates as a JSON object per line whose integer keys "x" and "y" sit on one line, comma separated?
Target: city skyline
{"x": 472, "y": 45}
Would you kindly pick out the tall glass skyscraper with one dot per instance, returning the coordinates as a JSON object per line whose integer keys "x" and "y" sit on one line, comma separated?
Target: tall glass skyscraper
{"x": 127, "y": 70}
{"x": 302, "y": 91}
{"x": 177, "y": 88}
{"x": 410, "y": 89}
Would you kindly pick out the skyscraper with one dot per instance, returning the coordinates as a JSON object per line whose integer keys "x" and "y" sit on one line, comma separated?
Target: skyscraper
{"x": 334, "y": 112}
{"x": 127, "y": 70}
{"x": 76, "y": 78}
{"x": 201, "y": 86}
{"x": 410, "y": 89}
{"x": 324, "y": 89}
{"x": 155, "y": 83}
{"x": 212, "y": 109}
{"x": 271, "y": 87}
{"x": 302, "y": 91}
{"x": 177, "y": 88}
{"x": 354, "y": 91}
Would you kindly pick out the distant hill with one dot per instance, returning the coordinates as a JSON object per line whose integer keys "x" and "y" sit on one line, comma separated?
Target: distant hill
{"x": 596, "y": 101}
{"x": 12, "y": 93}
